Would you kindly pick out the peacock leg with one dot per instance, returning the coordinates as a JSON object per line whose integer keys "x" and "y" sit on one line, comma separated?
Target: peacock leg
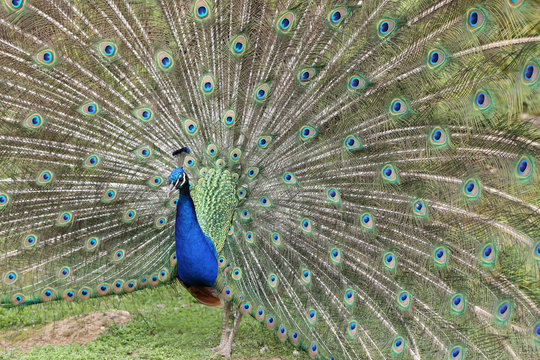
{"x": 225, "y": 329}
{"x": 226, "y": 349}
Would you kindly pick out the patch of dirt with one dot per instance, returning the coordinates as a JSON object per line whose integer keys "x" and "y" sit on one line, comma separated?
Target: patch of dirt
{"x": 80, "y": 329}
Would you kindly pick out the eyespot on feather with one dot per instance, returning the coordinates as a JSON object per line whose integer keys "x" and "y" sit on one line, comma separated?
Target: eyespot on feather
{"x": 10, "y": 277}
{"x": 84, "y": 293}
{"x": 436, "y": 58}
{"x": 261, "y": 93}
{"x": 202, "y": 10}
{"x": 273, "y": 281}
{"x": 252, "y": 172}
{"x": 245, "y": 215}
{"x": 352, "y": 143}
{"x": 482, "y": 100}
{"x": 144, "y": 152}
{"x": 286, "y": 22}
{"x": 118, "y": 286}
{"x": 312, "y": 316}
{"x": 295, "y": 338}
{"x": 289, "y": 178}
{"x": 305, "y": 225}
{"x": 337, "y": 15}
{"x": 335, "y": 256}
{"x": 207, "y": 84}
{"x": 103, "y": 289}
{"x": 45, "y": 177}
{"x": 356, "y": 82}
{"x": 33, "y": 121}
{"x": 30, "y": 241}
{"x": 276, "y": 239}
{"x": 264, "y": 141}
{"x": 130, "y": 286}
{"x": 17, "y": 299}
{"x": 389, "y": 260}
{"x": 398, "y": 345}
{"x": 404, "y": 300}
{"x": 89, "y": 108}
{"x": 420, "y": 209}
{"x": 235, "y": 155}
{"x": 471, "y": 189}
{"x": 69, "y": 295}
{"x": 4, "y": 200}
{"x": 530, "y": 73}
{"x": 164, "y": 60}
{"x": 307, "y": 132}
{"x": 229, "y": 118}
{"x": 46, "y": 57}
{"x": 92, "y": 243}
{"x": 438, "y": 137}
{"x": 64, "y": 219}
{"x": 386, "y": 27}
{"x": 160, "y": 222}
{"x": 250, "y": 237}
{"x": 457, "y": 303}
{"x": 440, "y": 256}
{"x": 108, "y": 49}
{"x": 270, "y": 322}
{"x": 239, "y": 45}
{"x": 398, "y": 107}
{"x": 488, "y": 254}
{"x": 265, "y": 202}
{"x": 367, "y": 221}
{"x": 456, "y": 353}
{"x": 211, "y": 150}
{"x": 144, "y": 114}
{"x": 242, "y": 193}
{"x": 15, "y": 5}
{"x": 305, "y": 277}
{"x": 163, "y": 275}
{"x": 191, "y": 127}
{"x": 313, "y": 350}
{"x": 64, "y": 272}
{"x": 92, "y": 161}
{"x": 524, "y": 168}
{"x": 476, "y": 19}
{"x": 349, "y": 297}
{"x": 118, "y": 255}
{"x": 306, "y": 75}
{"x": 332, "y": 195}
{"x": 47, "y": 294}
{"x": 173, "y": 260}
{"x": 109, "y": 196}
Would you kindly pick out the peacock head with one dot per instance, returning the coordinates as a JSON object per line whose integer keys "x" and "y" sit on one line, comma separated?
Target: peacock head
{"x": 178, "y": 179}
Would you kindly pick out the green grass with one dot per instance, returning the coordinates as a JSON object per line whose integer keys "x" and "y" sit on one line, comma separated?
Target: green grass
{"x": 179, "y": 328}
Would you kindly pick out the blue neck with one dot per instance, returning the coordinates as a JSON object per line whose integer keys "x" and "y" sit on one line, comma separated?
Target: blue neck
{"x": 196, "y": 254}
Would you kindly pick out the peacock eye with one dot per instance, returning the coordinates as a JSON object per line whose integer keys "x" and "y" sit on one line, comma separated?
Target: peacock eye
{"x": 261, "y": 93}
{"x": 386, "y": 27}
{"x": 239, "y": 45}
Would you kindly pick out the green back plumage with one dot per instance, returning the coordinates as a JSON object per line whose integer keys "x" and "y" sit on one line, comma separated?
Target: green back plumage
{"x": 384, "y": 157}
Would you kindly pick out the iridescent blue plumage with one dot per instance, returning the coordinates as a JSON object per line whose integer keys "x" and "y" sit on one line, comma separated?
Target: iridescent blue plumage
{"x": 196, "y": 253}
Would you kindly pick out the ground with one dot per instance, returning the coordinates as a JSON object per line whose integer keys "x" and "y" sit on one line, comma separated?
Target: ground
{"x": 159, "y": 323}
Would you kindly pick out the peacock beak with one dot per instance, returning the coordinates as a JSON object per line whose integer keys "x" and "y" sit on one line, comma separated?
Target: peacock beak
{"x": 172, "y": 187}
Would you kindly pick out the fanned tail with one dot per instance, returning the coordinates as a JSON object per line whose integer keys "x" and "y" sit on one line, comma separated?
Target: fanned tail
{"x": 386, "y": 169}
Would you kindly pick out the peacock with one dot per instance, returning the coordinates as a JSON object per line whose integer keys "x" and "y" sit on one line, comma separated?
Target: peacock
{"x": 361, "y": 177}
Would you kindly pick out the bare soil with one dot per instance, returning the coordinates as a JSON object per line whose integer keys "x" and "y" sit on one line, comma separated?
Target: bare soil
{"x": 81, "y": 329}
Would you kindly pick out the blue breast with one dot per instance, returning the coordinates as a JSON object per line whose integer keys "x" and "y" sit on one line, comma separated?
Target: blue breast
{"x": 197, "y": 256}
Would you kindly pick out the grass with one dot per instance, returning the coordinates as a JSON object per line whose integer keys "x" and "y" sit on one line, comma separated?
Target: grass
{"x": 166, "y": 324}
